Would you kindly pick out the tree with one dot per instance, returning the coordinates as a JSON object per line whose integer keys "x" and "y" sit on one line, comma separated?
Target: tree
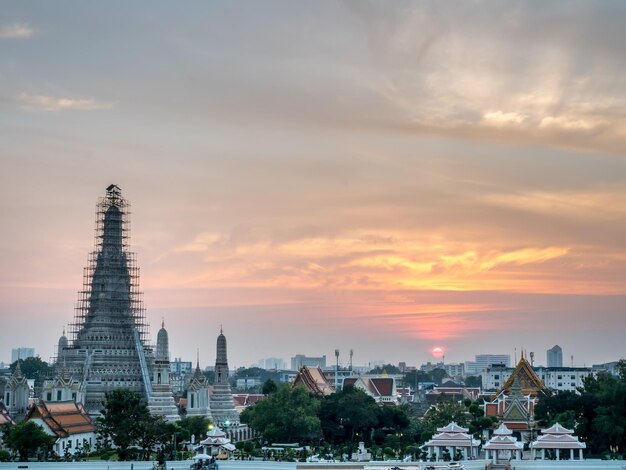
{"x": 289, "y": 415}
{"x": 443, "y": 414}
{"x": 269, "y": 387}
{"x": 153, "y": 430}
{"x": 196, "y": 426}
{"x": 26, "y": 438}
{"x": 122, "y": 418}
{"x": 438, "y": 375}
{"x": 33, "y": 368}
{"x": 347, "y": 412}
{"x": 474, "y": 381}
{"x": 387, "y": 368}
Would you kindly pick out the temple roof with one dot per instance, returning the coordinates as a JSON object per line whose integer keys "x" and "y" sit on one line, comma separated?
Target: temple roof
{"x": 64, "y": 418}
{"x": 4, "y": 416}
{"x": 381, "y": 386}
{"x": 557, "y": 429}
{"x": 529, "y": 382}
{"x": 452, "y": 440}
{"x": 502, "y": 431}
{"x": 314, "y": 380}
{"x": 453, "y": 428}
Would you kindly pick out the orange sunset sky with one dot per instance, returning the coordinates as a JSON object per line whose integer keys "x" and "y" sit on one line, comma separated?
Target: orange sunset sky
{"x": 389, "y": 177}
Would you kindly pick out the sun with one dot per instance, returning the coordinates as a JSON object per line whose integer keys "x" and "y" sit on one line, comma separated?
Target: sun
{"x": 437, "y": 351}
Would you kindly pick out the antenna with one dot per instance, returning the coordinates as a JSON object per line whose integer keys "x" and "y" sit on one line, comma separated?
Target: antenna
{"x": 351, "y": 354}
{"x": 337, "y": 369}
{"x": 532, "y": 359}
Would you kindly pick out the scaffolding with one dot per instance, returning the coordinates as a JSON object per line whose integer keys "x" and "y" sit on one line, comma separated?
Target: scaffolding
{"x": 110, "y": 305}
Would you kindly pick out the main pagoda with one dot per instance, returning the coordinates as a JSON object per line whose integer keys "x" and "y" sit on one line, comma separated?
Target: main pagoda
{"x": 110, "y": 346}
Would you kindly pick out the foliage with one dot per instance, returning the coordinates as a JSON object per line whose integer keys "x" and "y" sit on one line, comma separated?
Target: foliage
{"x": 474, "y": 381}
{"x": 346, "y": 413}
{"x": 26, "y": 438}
{"x": 289, "y": 415}
{"x": 597, "y": 414}
{"x": 4, "y": 456}
{"x": 122, "y": 417}
{"x": 153, "y": 430}
{"x": 33, "y": 368}
{"x": 386, "y": 369}
{"x": 269, "y": 387}
{"x": 196, "y": 426}
{"x": 441, "y": 415}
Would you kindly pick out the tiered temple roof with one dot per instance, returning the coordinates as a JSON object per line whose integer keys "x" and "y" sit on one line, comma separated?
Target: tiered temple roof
{"x": 314, "y": 380}
{"x": 514, "y": 403}
{"x": 557, "y": 437}
{"x": 503, "y": 440}
{"x": 453, "y": 437}
{"x": 529, "y": 382}
{"x": 381, "y": 388}
{"x": 63, "y": 418}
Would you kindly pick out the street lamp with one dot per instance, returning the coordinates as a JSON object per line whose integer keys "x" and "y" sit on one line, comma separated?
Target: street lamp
{"x": 176, "y": 433}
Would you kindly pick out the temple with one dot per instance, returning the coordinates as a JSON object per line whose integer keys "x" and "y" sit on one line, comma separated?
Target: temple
{"x": 109, "y": 346}
{"x": 514, "y": 403}
{"x": 222, "y": 403}
{"x": 198, "y": 394}
{"x": 314, "y": 380}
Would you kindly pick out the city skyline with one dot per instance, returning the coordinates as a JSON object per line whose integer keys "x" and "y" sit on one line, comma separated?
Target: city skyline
{"x": 389, "y": 178}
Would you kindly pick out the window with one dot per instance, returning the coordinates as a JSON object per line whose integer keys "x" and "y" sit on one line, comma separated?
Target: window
{"x": 497, "y": 376}
{"x": 59, "y": 392}
{"x": 49, "y": 396}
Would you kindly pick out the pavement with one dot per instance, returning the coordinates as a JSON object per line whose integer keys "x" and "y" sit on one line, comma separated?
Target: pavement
{"x": 269, "y": 465}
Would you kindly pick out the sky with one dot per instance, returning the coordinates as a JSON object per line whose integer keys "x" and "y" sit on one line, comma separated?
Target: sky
{"x": 383, "y": 176}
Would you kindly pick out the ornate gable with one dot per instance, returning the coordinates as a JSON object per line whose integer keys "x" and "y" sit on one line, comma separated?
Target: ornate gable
{"x": 528, "y": 381}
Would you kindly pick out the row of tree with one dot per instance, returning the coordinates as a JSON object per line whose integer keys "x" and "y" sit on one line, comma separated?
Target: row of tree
{"x": 597, "y": 413}
{"x": 349, "y": 416}
{"x": 126, "y": 424}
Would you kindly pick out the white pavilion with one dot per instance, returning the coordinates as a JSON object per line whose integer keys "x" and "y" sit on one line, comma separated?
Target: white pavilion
{"x": 215, "y": 442}
{"x": 502, "y": 447}
{"x": 560, "y": 440}
{"x": 453, "y": 438}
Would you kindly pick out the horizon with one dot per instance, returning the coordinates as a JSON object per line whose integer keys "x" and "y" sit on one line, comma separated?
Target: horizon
{"x": 390, "y": 178}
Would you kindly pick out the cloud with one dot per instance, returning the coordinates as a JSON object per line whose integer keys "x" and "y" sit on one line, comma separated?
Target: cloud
{"x": 499, "y": 118}
{"x": 16, "y": 31}
{"x": 52, "y": 103}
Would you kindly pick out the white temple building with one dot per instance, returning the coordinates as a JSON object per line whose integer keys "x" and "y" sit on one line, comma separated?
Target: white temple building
{"x": 502, "y": 447}
{"x": 559, "y": 440}
{"x": 454, "y": 439}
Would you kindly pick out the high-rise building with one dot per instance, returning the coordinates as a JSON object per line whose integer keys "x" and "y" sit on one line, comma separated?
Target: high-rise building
{"x": 483, "y": 361}
{"x": 22, "y": 353}
{"x": 555, "y": 356}
{"x": 110, "y": 343}
{"x": 300, "y": 360}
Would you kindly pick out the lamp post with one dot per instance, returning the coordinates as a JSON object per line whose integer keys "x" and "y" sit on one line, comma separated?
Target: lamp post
{"x": 176, "y": 433}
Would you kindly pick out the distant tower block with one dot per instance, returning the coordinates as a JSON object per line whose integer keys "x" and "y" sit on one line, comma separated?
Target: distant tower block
{"x": 109, "y": 345}
{"x": 222, "y": 403}
{"x": 555, "y": 356}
